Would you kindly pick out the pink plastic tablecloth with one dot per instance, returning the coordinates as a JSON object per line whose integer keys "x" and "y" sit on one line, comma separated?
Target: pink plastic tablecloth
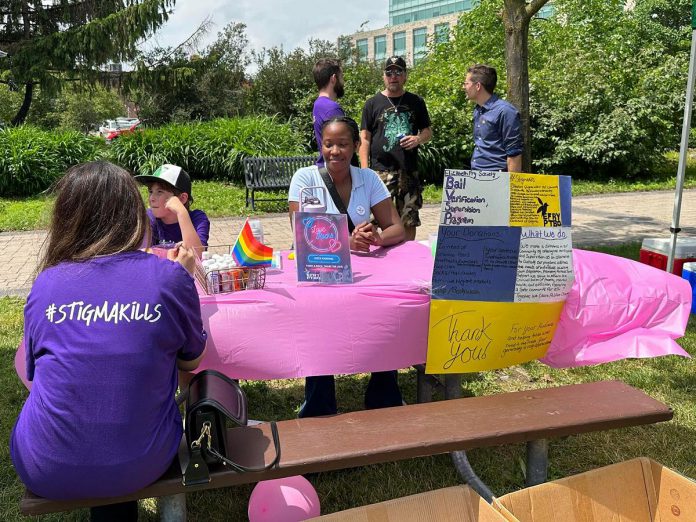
{"x": 286, "y": 330}
{"x": 616, "y": 309}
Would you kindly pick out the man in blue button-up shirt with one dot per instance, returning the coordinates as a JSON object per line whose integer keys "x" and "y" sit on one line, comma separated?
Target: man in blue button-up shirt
{"x": 498, "y": 141}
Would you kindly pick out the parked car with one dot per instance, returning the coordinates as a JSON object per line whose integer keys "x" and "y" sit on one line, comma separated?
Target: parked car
{"x": 121, "y": 130}
{"x": 110, "y": 126}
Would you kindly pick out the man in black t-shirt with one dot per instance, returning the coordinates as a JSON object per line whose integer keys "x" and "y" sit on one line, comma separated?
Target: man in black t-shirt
{"x": 394, "y": 123}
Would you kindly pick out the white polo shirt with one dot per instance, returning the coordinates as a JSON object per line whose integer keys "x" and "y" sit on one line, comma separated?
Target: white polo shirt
{"x": 367, "y": 191}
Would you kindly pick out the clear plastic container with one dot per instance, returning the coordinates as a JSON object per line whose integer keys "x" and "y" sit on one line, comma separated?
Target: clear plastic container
{"x": 256, "y": 229}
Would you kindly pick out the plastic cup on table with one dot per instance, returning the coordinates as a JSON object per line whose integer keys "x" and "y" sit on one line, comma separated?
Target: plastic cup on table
{"x": 161, "y": 249}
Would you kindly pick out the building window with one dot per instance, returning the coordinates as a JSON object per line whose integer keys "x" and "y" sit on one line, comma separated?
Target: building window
{"x": 420, "y": 39}
{"x": 441, "y": 33}
{"x": 362, "y": 48}
{"x": 401, "y": 12}
{"x": 400, "y": 43}
{"x": 380, "y": 47}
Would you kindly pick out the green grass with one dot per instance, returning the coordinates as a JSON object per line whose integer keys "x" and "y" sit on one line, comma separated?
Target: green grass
{"x": 220, "y": 199}
{"x": 669, "y": 379}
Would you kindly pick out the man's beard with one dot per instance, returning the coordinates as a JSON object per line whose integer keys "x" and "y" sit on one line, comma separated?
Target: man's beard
{"x": 339, "y": 90}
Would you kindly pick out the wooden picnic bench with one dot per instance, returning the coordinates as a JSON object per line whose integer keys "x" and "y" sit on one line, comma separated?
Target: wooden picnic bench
{"x": 271, "y": 173}
{"x": 416, "y": 430}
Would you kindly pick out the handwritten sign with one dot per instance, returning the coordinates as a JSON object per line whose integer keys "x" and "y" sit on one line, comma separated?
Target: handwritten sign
{"x": 545, "y": 268}
{"x": 475, "y": 198}
{"x": 503, "y": 269}
{"x": 322, "y": 248}
{"x": 473, "y": 337}
{"x": 476, "y": 263}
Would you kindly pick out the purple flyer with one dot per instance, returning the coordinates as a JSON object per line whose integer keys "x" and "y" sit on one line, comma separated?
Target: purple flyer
{"x": 322, "y": 248}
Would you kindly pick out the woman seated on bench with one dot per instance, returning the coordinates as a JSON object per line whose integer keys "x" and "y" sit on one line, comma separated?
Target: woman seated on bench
{"x": 361, "y": 192}
{"x": 105, "y": 328}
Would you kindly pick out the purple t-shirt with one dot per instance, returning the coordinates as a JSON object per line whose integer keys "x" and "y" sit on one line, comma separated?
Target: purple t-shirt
{"x": 161, "y": 232}
{"x": 102, "y": 338}
{"x": 324, "y": 109}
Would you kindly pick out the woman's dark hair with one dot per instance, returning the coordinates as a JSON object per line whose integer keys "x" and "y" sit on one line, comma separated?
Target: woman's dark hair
{"x": 98, "y": 211}
{"x": 349, "y": 122}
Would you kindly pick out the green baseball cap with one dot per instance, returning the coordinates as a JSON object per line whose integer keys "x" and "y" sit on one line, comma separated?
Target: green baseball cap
{"x": 171, "y": 174}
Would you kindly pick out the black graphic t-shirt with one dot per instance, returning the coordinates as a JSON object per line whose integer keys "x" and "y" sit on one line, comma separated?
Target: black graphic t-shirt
{"x": 405, "y": 115}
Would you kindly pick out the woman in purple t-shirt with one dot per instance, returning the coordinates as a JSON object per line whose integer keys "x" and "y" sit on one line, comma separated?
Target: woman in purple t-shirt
{"x": 105, "y": 328}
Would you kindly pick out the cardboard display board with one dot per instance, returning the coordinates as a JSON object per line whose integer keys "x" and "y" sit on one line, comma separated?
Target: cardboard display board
{"x": 503, "y": 269}
{"x": 322, "y": 248}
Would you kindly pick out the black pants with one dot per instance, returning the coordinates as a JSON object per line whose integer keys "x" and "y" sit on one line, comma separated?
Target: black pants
{"x": 320, "y": 394}
{"x": 124, "y": 512}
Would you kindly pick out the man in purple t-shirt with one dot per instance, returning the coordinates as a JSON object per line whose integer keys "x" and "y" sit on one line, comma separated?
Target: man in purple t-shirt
{"x": 328, "y": 76}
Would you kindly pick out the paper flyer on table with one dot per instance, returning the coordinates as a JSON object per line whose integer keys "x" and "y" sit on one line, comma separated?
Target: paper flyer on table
{"x": 503, "y": 269}
{"x": 322, "y": 248}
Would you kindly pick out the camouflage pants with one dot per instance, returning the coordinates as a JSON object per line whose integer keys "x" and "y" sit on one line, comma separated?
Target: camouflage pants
{"x": 406, "y": 193}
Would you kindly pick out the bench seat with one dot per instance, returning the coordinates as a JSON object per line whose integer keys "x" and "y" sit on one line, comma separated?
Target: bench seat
{"x": 391, "y": 434}
{"x": 271, "y": 173}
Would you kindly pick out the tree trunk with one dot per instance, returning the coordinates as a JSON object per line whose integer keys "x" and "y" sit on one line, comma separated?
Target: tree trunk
{"x": 24, "y": 109}
{"x": 516, "y": 23}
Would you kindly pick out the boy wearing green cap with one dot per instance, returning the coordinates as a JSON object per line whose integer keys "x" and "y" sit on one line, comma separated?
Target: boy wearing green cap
{"x": 169, "y": 189}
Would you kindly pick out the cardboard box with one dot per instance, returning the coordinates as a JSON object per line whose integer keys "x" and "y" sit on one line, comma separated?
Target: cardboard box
{"x": 455, "y": 504}
{"x": 654, "y": 252}
{"x": 638, "y": 490}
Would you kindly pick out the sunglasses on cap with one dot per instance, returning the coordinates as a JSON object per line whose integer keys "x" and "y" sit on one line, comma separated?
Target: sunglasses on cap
{"x": 393, "y": 72}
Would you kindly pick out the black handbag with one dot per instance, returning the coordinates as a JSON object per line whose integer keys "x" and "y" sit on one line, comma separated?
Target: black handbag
{"x": 213, "y": 400}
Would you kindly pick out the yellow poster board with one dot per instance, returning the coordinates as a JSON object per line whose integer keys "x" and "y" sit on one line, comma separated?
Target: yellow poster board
{"x": 534, "y": 200}
{"x": 503, "y": 269}
{"x": 471, "y": 336}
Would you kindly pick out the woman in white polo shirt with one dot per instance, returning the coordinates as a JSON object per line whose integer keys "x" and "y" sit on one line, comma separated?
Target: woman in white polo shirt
{"x": 361, "y": 193}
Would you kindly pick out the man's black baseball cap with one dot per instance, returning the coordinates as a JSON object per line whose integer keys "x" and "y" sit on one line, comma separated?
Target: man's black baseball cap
{"x": 395, "y": 61}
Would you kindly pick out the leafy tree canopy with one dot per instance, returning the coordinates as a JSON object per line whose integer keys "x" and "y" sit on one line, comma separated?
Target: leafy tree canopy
{"x": 51, "y": 41}
{"x": 607, "y": 83}
{"x": 177, "y": 84}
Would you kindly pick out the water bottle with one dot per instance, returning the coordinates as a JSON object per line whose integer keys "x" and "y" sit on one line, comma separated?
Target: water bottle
{"x": 257, "y": 229}
{"x": 311, "y": 203}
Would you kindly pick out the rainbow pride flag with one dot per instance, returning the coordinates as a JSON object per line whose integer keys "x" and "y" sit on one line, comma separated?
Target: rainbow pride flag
{"x": 247, "y": 251}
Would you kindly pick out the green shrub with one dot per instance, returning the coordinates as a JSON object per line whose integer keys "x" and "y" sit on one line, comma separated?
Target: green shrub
{"x": 212, "y": 150}
{"x": 32, "y": 159}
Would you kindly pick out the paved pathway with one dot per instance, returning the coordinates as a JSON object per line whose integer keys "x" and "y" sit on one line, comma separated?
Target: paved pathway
{"x": 604, "y": 219}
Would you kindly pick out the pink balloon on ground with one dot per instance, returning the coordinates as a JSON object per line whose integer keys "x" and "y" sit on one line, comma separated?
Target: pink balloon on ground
{"x": 289, "y": 499}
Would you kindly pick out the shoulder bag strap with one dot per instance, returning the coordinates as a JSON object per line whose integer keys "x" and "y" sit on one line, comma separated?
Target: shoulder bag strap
{"x": 336, "y": 196}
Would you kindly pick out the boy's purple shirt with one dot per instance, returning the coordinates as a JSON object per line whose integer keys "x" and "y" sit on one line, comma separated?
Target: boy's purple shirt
{"x": 163, "y": 233}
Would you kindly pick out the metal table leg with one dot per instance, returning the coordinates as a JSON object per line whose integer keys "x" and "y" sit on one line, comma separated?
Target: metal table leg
{"x": 173, "y": 508}
{"x": 537, "y": 461}
{"x": 424, "y": 385}
{"x": 453, "y": 386}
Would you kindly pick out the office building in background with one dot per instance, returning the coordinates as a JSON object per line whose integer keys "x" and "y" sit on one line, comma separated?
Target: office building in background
{"x": 412, "y": 23}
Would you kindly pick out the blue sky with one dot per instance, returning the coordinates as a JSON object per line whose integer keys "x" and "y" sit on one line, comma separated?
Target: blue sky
{"x": 274, "y": 22}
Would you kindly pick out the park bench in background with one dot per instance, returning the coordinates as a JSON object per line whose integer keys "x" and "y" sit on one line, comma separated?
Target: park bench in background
{"x": 271, "y": 173}
{"x": 416, "y": 430}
